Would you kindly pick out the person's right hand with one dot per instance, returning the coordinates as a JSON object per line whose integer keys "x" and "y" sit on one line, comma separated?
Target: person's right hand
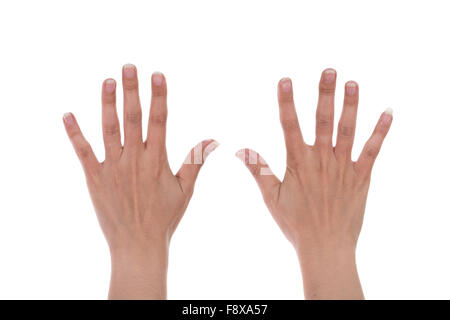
{"x": 320, "y": 203}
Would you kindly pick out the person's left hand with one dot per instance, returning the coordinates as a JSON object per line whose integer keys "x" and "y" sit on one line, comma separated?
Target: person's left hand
{"x": 138, "y": 200}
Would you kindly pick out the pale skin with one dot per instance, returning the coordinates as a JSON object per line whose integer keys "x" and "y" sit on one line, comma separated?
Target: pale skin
{"x": 320, "y": 203}
{"x": 138, "y": 200}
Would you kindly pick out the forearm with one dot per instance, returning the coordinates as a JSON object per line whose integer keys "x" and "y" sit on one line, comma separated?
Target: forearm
{"x": 330, "y": 274}
{"x": 139, "y": 274}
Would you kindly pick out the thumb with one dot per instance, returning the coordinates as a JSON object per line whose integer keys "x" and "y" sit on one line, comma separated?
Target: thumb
{"x": 194, "y": 161}
{"x": 266, "y": 180}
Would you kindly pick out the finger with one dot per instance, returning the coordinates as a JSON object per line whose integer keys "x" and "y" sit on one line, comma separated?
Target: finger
{"x": 325, "y": 109}
{"x": 266, "y": 180}
{"x": 347, "y": 123}
{"x": 110, "y": 121}
{"x": 373, "y": 145}
{"x": 289, "y": 120}
{"x": 192, "y": 164}
{"x": 156, "y": 133}
{"x": 81, "y": 146}
{"x": 132, "y": 107}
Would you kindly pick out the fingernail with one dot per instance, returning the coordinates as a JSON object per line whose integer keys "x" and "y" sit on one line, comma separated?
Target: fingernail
{"x": 286, "y": 85}
{"x": 248, "y": 156}
{"x": 210, "y": 148}
{"x": 110, "y": 85}
{"x": 129, "y": 71}
{"x": 67, "y": 118}
{"x": 329, "y": 75}
{"x": 351, "y": 88}
{"x": 241, "y": 155}
{"x": 389, "y": 111}
{"x": 386, "y": 117}
{"x": 157, "y": 78}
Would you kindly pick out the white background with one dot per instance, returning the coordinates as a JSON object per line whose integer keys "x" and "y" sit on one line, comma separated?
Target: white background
{"x": 222, "y": 60}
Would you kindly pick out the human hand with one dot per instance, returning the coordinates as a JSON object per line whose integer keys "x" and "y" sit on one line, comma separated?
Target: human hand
{"x": 138, "y": 200}
{"x": 320, "y": 203}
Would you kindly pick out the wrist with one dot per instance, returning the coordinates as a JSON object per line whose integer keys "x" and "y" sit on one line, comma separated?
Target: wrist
{"x": 329, "y": 272}
{"x": 138, "y": 249}
{"x": 324, "y": 253}
{"x": 139, "y": 271}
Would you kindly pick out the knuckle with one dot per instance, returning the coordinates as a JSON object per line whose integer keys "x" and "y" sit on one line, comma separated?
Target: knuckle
{"x": 381, "y": 131}
{"x": 324, "y": 120}
{"x": 351, "y": 101}
{"x": 158, "y": 119}
{"x": 286, "y": 97}
{"x": 254, "y": 169}
{"x": 326, "y": 90}
{"x": 130, "y": 84}
{"x": 346, "y": 131}
{"x": 73, "y": 134}
{"x": 83, "y": 151}
{"x": 109, "y": 98}
{"x": 134, "y": 117}
{"x": 372, "y": 151}
{"x": 110, "y": 129}
{"x": 159, "y": 92}
{"x": 290, "y": 124}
